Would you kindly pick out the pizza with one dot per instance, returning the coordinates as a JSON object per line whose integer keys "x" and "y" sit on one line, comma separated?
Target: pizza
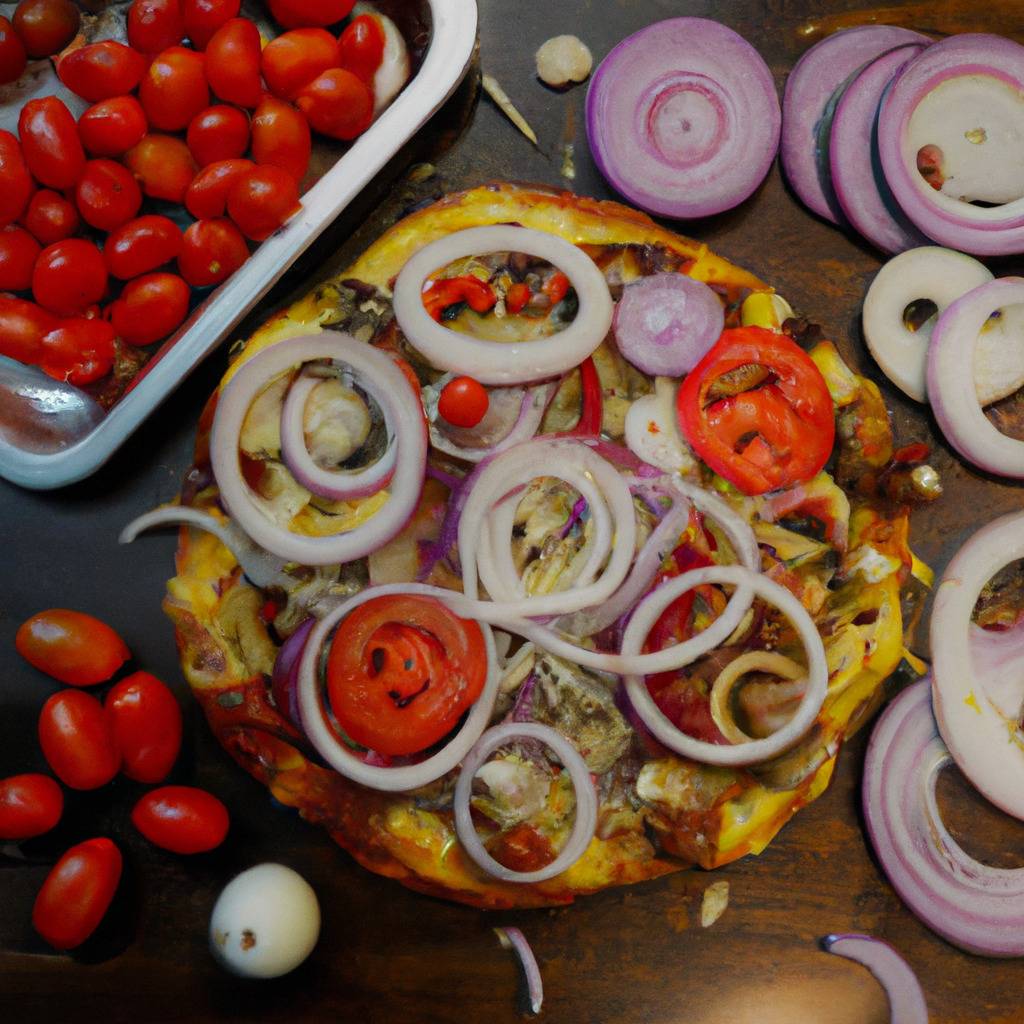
{"x": 502, "y": 602}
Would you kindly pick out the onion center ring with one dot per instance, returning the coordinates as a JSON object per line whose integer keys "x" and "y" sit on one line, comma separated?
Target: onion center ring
{"x": 721, "y": 689}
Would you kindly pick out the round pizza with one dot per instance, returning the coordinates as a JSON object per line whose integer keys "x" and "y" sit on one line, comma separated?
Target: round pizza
{"x": 541, "y": 551}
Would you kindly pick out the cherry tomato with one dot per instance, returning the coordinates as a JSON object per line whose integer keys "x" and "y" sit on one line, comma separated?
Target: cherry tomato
{"x": 261, "y": 200}
{"x": 155, "y": 25}
{"x": 337, "y": 104}
{"x": 29, "y": 806}
{"x": 70, "y": 646}
{"x": 233, "y": 63}
{"x": 212, "y": 252}
{"x": 142, "y": 245}
{"x": 50, "y": 143}
{"x": 295, "y": 58}
{"x": 77, "y": 893}
{"x": 163, "y": 166}
{"x": 107, "y": 195}
{"x": 18, "y": 252}
{"x": 207, "y": 196}
{"x": 69, "y": 277}
{"x": 463, "y": 402}
{"x": 23, "y": 325}
{"x": 50, "y": 217}
{"x": 111, "y": 127}
{"x": 15, "y": 181}
{"x": 181, "y": 819}
{"x": 203, "y": 18}
{"x": 218, "y": 133}
{"x": 13, "y": 59}
{"x": 280, "y": 137}
{"x": 300, "y": 13}
{"x": 150, "y": 308}
{"x": 517, "y": 297}
{"x": 46, "y": 26}
{"x": 146, "y": 724}
{"x": 76, "y": 740}
{"x": 362, "y": 47}
{"x": 102, "y": 70}
{"x": 174, "y": 89}
{"x": 79, "y": 350}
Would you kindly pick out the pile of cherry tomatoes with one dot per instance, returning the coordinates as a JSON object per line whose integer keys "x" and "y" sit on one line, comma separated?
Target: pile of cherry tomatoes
{"x": 220, "y": 127}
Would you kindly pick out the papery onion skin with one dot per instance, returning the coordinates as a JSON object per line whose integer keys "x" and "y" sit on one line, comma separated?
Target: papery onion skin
{"x": 906, "y": 999}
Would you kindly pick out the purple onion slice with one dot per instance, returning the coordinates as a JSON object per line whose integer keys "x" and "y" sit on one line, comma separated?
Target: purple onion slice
{"x": 906, "y": 1000}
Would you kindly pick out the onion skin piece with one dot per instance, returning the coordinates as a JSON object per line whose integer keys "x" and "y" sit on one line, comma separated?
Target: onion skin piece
{"x": 906, "y": 999}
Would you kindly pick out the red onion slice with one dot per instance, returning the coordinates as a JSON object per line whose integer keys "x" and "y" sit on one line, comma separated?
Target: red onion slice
{"x": 976, "y": 907}
{"x": 513, "y": 938}
{"x": 683, "y": 118}
{"x": 815, "y": 77}
{"x": 906, "y": 999}
{"x": 586, "y": 800}
{"x": 978, "y": 676}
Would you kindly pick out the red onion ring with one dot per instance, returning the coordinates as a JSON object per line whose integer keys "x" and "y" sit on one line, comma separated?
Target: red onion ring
{"x": 976, "y": 907}
{"x": 586, "y": 800}
{"x": 513, "y": 938}
{"x": 284, "y": 680}
{"x": 906, "y": 999}
{"x": 683, "y": 118}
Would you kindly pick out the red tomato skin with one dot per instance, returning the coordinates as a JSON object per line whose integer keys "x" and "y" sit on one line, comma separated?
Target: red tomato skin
{"x": 76, "y": 741}
{"x": 50, "y": 217}
{"x": 362, "y": 47}
{"x": 46, "y": 26}
{"x": 15, "y": 181}
{"x": 107, "y": 195}
{"x": 80, "y": 350}
{"x": 295, "y": 58}
{"x": 49, "y": 141}
{"x": 145, "y": 721}
{"x": 233, "y": 63}
{"x": 71, "y": 647}
{"x": 77, "y": 893}
{"x": 174, "y": 89}
{"x": 18, "y": 252}
{"x": 182, "y": 819}
{"x": 102, "y": 70}
{"x": 281, "y": 138}
{"x": 337, "y": 104}
{"x": 463, "y": 402}
{"x": 261, "y": 200}
{"x": 23, "y": 325}
{"x": 150, "y": 308}
{"x": 163, "y": 166}
{"x": 141, "y": 246}
{"x": 112, "y": 126}
{"x": 303, "y": 13}
{"x": 13, "y": 58}
{"x": 69, "y": 277}
{"x": 212, "y": 251}
{"x": 218, "y": 133}
{"x": 207, "y": 196}
{"x": 203, "y": 18}
{"x": 155, "y": 25}
{"x": 30, "y": 805}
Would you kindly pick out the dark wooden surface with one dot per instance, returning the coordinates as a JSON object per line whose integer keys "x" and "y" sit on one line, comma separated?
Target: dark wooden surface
{"x": 385, "y": 954}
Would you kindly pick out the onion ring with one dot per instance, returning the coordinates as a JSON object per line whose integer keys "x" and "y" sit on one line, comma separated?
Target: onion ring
{"x": 721, "y": 689}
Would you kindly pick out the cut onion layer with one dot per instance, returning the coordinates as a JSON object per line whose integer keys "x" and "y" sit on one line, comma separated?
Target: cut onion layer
{"x": 513, "y": 938}
{"x": 683, "y": 118}
{"x": 652, "y": 430}
{"x": 494, "y": 362}
{"x": 976, "y": 907}
{"x": 906, "y": 999}
{"x": 722, "y": 688}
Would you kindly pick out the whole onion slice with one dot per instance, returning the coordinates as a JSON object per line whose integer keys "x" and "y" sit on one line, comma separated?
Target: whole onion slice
{"x": 930, "y": 273}
{"x": 586, "y": 800}
{"x": 665, "y": 324}
{"x": 978, "y": 676}
{"x": 392, "y": 391}
{"x": 815, "y": 77}
{"x": 683, "y": 118}
{"x": 952, "y": 361}
{"x": 648, "y": 612}
{"x": 963, "y": 96}
{"x": 906, "y": 999}
{"x": 494, "y": 362}
{"x": 976, "y": 907}
{"x": 857, "y": 180}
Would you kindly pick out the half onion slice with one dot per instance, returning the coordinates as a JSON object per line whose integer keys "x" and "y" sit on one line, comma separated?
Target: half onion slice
{"x": 906, "y": 1000}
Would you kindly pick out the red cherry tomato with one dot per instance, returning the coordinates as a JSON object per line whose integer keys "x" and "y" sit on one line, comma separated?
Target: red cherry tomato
{"x": 23, "y": 325}
{"x": 218, "y": 133}
{"x": 280, "y": 137}
{"x": 146, "y": 724}
{"x": 203, "y": 18}
{"x": 163, "y": 166}
{"x": 102, "y": 70}
{"x": 295, "y": 58}
{"x": 15, "y": 181}
{"x": 70, "y": 646}
{"x": 51, "y": 217}
{"x": 182, "y": 819}
{"x": 76, "y": 741}
{"x": 150, "y": 308}
{"x": 107, "y": 195}
{"x": 207, "y": 196}
{"x": 261, "y": 200}
{"x": 13, "y": 59}
{"x": 233, "y": 63}
{"x": 29, "y": 806}
{"x": 212, "y": 252}
{"x": 69, "y": 277}
{"x": 111, "y": 127}
{"x": 174, "y": 89}
{"x": 18, "y": 252}
{"x": 46, "y": 26}
{"x": 362, "y": 47}
{"x": 463, "y": 402}
{"x": 50, "y": 143}
{"x": 77, "y": 893}
{"x": 79, "y": 350}
{"x": 337, "y": 104}
{"x": 142, "y": 245}
{"x": 300, "y": 13}
{"x": 154, "y": 25}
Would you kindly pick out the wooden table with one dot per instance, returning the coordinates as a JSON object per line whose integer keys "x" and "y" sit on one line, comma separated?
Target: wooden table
{"x": 385, "y": 954}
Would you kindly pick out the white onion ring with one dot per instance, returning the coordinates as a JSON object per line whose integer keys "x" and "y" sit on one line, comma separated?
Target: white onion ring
{"x": 721, "y": 689}
{"x": 906, "y": 1000}
{"x": 492, "y": 362}
{"x": 586, "y": 800}
{"x": 647, "y": 614}
{"x": 399, "y": 409}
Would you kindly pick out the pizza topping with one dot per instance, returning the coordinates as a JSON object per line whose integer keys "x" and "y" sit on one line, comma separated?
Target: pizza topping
{"x": 906, "y": 1000}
